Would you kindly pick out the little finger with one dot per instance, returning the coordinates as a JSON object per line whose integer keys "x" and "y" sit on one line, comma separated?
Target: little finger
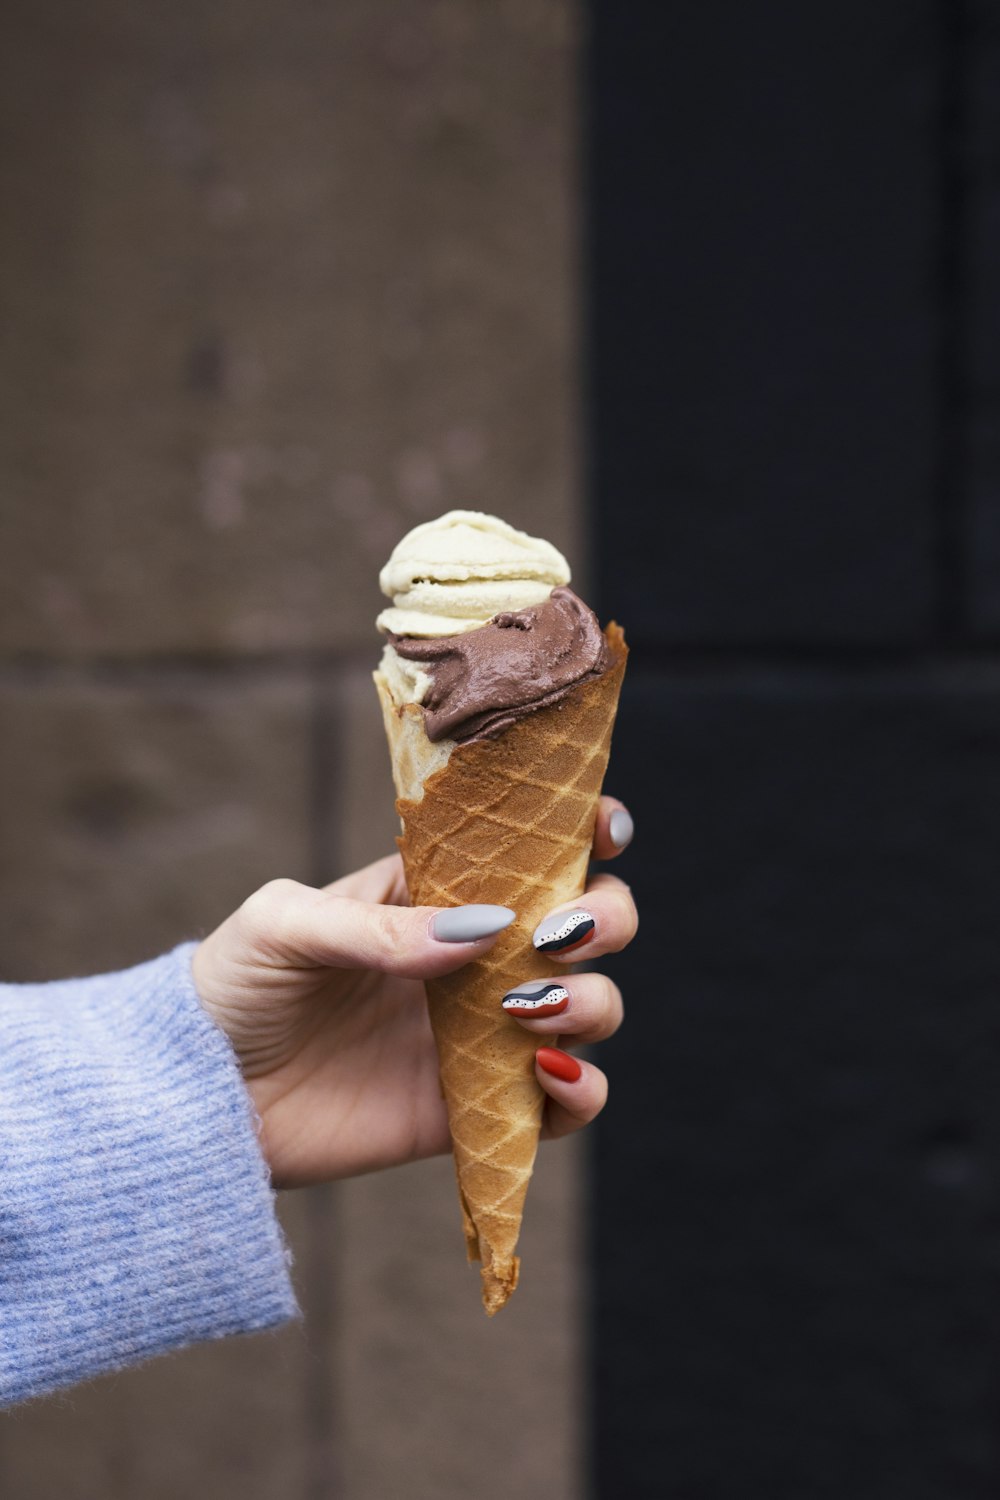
{"x": 577, "y": 1091}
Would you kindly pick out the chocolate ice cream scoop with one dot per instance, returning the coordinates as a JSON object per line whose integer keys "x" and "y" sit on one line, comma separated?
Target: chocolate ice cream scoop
{"x": 484, "y": 680}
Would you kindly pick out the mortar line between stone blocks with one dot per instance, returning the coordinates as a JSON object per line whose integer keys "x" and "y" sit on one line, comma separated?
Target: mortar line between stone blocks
{"x": 323, "y": 1479}
{"x": 46, "y": 666}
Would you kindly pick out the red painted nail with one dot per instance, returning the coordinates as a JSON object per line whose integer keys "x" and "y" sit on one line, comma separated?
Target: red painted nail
{"x": 559, "y": 1064}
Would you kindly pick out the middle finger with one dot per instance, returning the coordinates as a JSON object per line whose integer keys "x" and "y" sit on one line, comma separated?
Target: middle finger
{"x": 602, "y": 920}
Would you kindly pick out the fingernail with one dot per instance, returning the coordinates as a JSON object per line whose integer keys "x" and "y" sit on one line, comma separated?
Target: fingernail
{"x": 621, "y": 828}
{"x": 541, "y": 997}
{"x": 467, "y": 924}
{"x": 565, "y": 930}
{"x": 559, "y": 1064}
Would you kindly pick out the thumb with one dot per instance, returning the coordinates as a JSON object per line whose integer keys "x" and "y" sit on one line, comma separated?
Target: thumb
{"x": 323, "y": 928}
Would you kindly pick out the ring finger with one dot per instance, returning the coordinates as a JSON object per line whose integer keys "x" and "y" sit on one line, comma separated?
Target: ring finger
{"x": 584, "y": 1007}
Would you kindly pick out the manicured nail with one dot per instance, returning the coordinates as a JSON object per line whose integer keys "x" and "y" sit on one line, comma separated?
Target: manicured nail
{"x": 559, "y": 1064}
{"x": 468, "y": 924}
{"x": 621, "y": 828}
{"x": 566, "y": 930}
{"x": 541, "y": 997}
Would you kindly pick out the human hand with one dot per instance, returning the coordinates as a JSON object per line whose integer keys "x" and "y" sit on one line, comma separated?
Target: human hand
{"x": 321, "y": 994}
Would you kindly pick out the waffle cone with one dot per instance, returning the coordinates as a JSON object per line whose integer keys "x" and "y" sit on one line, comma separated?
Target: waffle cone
{"x": 508, "y": 821}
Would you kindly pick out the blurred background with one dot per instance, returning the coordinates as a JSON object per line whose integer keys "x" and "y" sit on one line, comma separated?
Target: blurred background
{"x": 709, "y": 296}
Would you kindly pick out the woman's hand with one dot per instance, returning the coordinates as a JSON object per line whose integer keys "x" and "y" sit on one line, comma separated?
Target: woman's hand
{"x": 321, "y": 994}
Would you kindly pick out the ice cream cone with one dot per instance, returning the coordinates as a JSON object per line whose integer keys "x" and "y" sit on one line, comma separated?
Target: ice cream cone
{"x": 507, "y": 821}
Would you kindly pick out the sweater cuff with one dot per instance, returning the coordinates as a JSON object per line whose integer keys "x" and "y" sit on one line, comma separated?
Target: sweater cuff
{"x": 136, "y": 1212}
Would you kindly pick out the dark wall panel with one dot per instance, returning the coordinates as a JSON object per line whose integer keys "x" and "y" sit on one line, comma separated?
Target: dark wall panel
{"x": 794, "y": 274}
{"x": 797, "y": 1225}
{"x": 764, "y": 247}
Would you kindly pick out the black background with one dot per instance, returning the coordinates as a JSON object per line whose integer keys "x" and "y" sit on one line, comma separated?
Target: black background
{"x": 793, "y": 266}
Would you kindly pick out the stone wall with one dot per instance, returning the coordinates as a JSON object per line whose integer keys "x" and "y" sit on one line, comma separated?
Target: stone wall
{"x": 279, "y": 282}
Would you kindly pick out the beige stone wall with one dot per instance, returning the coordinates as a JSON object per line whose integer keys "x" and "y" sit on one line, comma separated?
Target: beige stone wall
{"x": 278, "y": 281}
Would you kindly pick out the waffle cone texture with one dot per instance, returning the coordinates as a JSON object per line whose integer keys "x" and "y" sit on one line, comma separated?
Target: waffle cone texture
{"x": 508, "y": 821}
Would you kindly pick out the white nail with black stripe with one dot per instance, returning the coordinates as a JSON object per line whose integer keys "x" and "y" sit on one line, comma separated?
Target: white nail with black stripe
{"x": 564, "y": 931}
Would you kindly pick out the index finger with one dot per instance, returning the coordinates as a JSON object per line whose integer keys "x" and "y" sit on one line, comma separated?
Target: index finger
{"x": 613, "y": 830}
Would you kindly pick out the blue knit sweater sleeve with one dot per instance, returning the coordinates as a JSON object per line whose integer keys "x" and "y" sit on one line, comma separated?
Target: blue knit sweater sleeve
{"x": 136, "y": 1213}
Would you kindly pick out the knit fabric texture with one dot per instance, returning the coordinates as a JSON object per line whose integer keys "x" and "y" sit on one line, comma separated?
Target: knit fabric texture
{"x": 136, "y": 1214}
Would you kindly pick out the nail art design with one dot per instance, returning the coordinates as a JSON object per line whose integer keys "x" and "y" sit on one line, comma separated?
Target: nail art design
{"x": 541, "y": 997}
{"x": 621, "y": 828}
{"x": 559, "y": 1064}
{"x": 564, "y": 931}
{"x": 468, "y": 924}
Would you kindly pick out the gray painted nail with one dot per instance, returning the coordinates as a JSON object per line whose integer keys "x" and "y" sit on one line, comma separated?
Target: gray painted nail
{"x": 621, "y": 828}
{"x": 467, "y": 924}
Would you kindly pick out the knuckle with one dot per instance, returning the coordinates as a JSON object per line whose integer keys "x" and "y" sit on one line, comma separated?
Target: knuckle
{"x": 614, "y": 1006}
{"x": 602, "y": 1010}
{"x": 388, "y": 930}
{"x": 381, "y": 926}
{"x": 266, "y": 910}
{"x": 627, "y": 918}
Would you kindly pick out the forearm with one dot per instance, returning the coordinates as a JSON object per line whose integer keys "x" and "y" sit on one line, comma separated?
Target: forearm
{"x": 135, "y": 1211}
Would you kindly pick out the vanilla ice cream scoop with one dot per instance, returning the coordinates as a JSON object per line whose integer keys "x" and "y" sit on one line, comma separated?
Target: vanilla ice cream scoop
{"x": 454, "y": 574}
{"x": 482, "y": 629}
